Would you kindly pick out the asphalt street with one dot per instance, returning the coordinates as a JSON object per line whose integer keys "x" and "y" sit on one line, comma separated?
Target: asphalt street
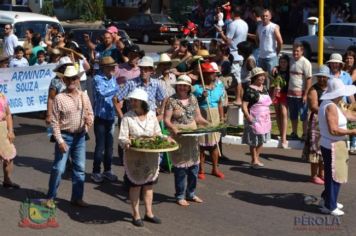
{"x": 269, "y": 201}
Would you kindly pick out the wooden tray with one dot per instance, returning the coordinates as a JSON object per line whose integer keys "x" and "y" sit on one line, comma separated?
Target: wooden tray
{"x": 155, "y": 150}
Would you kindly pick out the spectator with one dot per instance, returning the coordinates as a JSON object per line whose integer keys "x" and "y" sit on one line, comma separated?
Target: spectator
{"x": 164, "y": 73}
{"x": 69, "y": 131}
{"x": 10, "y": 41}
{"x": 19, "y": 60}
{"x": 114, "y": 32}
{"x": 300, "y": 71}
{"x": 54, "y": 56}
{"x": 7, "y": 137}
{"x": 236, "y": 32}
{"x": 27, "y": 44}
{"x": 36, "y": 39}
{"x": 257, "y": 124}
{"x": 270, "y": 42}
{"x": 253, "y": 22}
{"x": 227, "y": 8}
{"x": 213, "y": 47}
{"x": 121, "y": 45}
{"x": 104, "y": 88}
{"x": 183, "y": 55}
{"x": 336, "y": 64}
{"x": 4, "y": 62}
{"x": 219, "y": 19}
{"x": 249, "y": 62}
{"x": 279, "y": 85}
{"x": 349, "y": 62}
{"x": 175, "y": 43}
{"x": 311, "y": 151}
{"x": 61, "y": 40}
{"x": 51, "y": 39}
{"x": 41, "y": 58}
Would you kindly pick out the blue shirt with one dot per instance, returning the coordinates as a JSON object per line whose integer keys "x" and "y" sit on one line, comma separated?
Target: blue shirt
{"x": 112, "y": 51}
{"x": 154, "y": 90}
{"x": 346, "y": 79}
{"x": 103, "y": 91}
{"x": 215, "y": 95}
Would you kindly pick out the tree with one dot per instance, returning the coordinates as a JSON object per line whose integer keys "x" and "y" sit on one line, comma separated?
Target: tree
{"x": 89, "y": 10}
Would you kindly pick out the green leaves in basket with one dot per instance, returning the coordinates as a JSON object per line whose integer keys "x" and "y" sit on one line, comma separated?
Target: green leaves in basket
{"x": 152, "y": 143}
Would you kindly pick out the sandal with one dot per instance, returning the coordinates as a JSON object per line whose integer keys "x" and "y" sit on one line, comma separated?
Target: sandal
{"x": 183, "y": 202}
{"x": 201, "y": 176}
{"x": 196, "y": 199}
{"x": 218, "y": 174}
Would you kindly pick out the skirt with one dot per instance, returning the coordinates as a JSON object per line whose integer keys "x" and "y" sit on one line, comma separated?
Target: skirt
{"x": 311, "y": 151}
{"x": 7, "y": 149}
{"x": 211, "y": 139}
{"x": 252, "y": 139}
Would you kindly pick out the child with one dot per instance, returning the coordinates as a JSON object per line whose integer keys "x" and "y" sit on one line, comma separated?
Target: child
{"x": 279, "y": 87}
{"x": 7, "y": 137}
{"x": 19, "y": 60}
{"x": 41, "y": 58}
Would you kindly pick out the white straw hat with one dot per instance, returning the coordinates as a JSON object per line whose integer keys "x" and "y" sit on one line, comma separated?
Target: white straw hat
{"x": 164, "y": 58}
{"x": 71, "y": 72}
{"x": 183, "y": 79}
{"x": 336, "y": 88}
{"x": 139, "y": 94}
{"x": 62, "y": 61}
{"x": 335, "y": 57}
{"x": 146, "y": 61}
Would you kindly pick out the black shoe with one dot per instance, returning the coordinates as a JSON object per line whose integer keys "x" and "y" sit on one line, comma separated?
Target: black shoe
{"x": 10, "y": 185}
{"x": 154, "y": 219}
{"x": 138, "y": 222}
{"x": 293, "y": 136}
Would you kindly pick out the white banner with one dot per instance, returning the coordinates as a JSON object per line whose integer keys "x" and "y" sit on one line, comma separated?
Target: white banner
{"x": 26, "y": 88}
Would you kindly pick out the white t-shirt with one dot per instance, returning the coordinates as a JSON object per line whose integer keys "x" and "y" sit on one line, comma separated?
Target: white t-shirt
{"x": 267, "y": 40}
{"x": 18, "y": 62}
{"x": 299, "y": 72}
{"x": 10, "y": 42}
{"x": 237, "y": 32}
{"x": 326, "y": 139}
{"x": 220, "y": 19}
{"x": 42, "y": 64}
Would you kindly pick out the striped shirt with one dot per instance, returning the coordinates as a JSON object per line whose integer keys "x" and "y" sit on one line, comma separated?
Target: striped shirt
{"x": 68, "y": 114}
{"x": 103, "y": 91}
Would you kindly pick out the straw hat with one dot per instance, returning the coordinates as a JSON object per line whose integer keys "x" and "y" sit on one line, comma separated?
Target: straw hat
{"x": 165, "y": 59}
{"x": 257, "y": 71}
{"x": 69, "y": 50}
{"x": 139, "y": 94}
{"x": 62, "y": 62}
{"x": 202, "y": 54}
{"x": 183, "y": 79}
{"x": 146, "y": 61}
{"x": 55, "y": 51}
{"x": 107, "y": 61}
{"x": 335, "y": 57}
{"x": 72, "y": 72}
{"x": 323, "y": 71}
{"x": 336, "y": 88}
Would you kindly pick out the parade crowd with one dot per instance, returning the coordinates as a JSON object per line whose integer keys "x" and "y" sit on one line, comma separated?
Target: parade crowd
{"x": 191, "y": 85}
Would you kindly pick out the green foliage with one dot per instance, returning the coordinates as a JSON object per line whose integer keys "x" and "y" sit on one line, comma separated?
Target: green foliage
{"x": 89, "y": 10}
{"x": 47, "y": 8}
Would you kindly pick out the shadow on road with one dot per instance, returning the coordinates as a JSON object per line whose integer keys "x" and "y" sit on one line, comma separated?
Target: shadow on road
{"x": 268, "y": 156}
{"x": 94, "y": 214}
{"x": 42, "y": 165}
{"x": 27, "y": 129}
{"x": 291, "y": 201}
{"x": 273, "y": 174}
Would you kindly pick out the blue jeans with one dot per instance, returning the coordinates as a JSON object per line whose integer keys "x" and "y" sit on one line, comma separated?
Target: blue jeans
{"x": 296, "y": 107}
{"x": 104, "y": 141}
{"x": 76, "y": 149}
{"x": 267, "y": 64}
{"x": 352, "y": 141}
{"x": 179, "y": 181}
{"x": 332, "y": 188}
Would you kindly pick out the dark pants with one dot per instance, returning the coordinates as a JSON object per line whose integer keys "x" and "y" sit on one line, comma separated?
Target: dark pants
{"x": 104, "y": 141}
{"x": 332, "y": 188}
{"x": 179, "y": 180}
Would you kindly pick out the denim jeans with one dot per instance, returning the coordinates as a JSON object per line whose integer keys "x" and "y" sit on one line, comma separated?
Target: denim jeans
{"x": 76, "y": 149}
{"x": 331, "y": 188}
{"x": 104, "y": 141}
{"x": 267, "y": 65}
{"x": 179, "y": 181}
{"x": 352, "y": 141}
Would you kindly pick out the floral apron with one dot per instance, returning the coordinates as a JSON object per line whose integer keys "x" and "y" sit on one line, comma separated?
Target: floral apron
{"x": 261, "y": 115}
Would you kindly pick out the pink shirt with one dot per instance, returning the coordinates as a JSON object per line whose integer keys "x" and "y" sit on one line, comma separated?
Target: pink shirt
{"x": 3, "y": 105}
{"x": 124, "y": 72}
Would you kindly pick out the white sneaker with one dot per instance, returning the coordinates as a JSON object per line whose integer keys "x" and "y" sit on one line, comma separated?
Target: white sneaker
{"x": 336, "y": 212}
{"x": 322, "y": 204}
{"x": 97, "y": 177}
{"x": 109, "y": 176}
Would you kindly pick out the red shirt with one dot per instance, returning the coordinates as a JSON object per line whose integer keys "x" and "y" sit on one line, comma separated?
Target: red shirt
{"x": 227, "y": 12}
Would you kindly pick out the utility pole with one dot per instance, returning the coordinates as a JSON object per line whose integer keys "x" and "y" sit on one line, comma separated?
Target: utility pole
{"x": 321, "y": 33}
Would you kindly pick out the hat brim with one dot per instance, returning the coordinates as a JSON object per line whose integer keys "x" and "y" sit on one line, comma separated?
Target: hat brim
{"x": 259, "y": 73}
{"x": 75, "y": 54}
{"x": 181, "y": 83}
{"x": 335, "y": 61}
{"x": 321, "y": 74}
{"x": 146, "y": 65}
{"x": 108, "y": 65}
{"x": 346, "y": 91}
{"x": 173, "y": 63}
{"x": 59, "y": 66}
{"x": 74, "y": 76}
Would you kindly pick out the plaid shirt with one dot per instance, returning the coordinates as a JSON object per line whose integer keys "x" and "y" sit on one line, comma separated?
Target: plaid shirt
{"x": 154, "y": 90}
{"x": 103, "y": 91}
{"x": 68, "y": 114}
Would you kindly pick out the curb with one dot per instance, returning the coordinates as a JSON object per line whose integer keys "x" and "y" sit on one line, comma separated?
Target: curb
{"x": 273, "y": 143}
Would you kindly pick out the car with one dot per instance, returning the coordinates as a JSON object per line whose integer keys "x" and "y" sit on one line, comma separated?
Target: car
{"x": 95, "y": 36}
{"x": 338, "y": 37}
{"x": 149, "y": 27}
{"x": 21, "y": 21}
{"x": 19, "y": 8}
